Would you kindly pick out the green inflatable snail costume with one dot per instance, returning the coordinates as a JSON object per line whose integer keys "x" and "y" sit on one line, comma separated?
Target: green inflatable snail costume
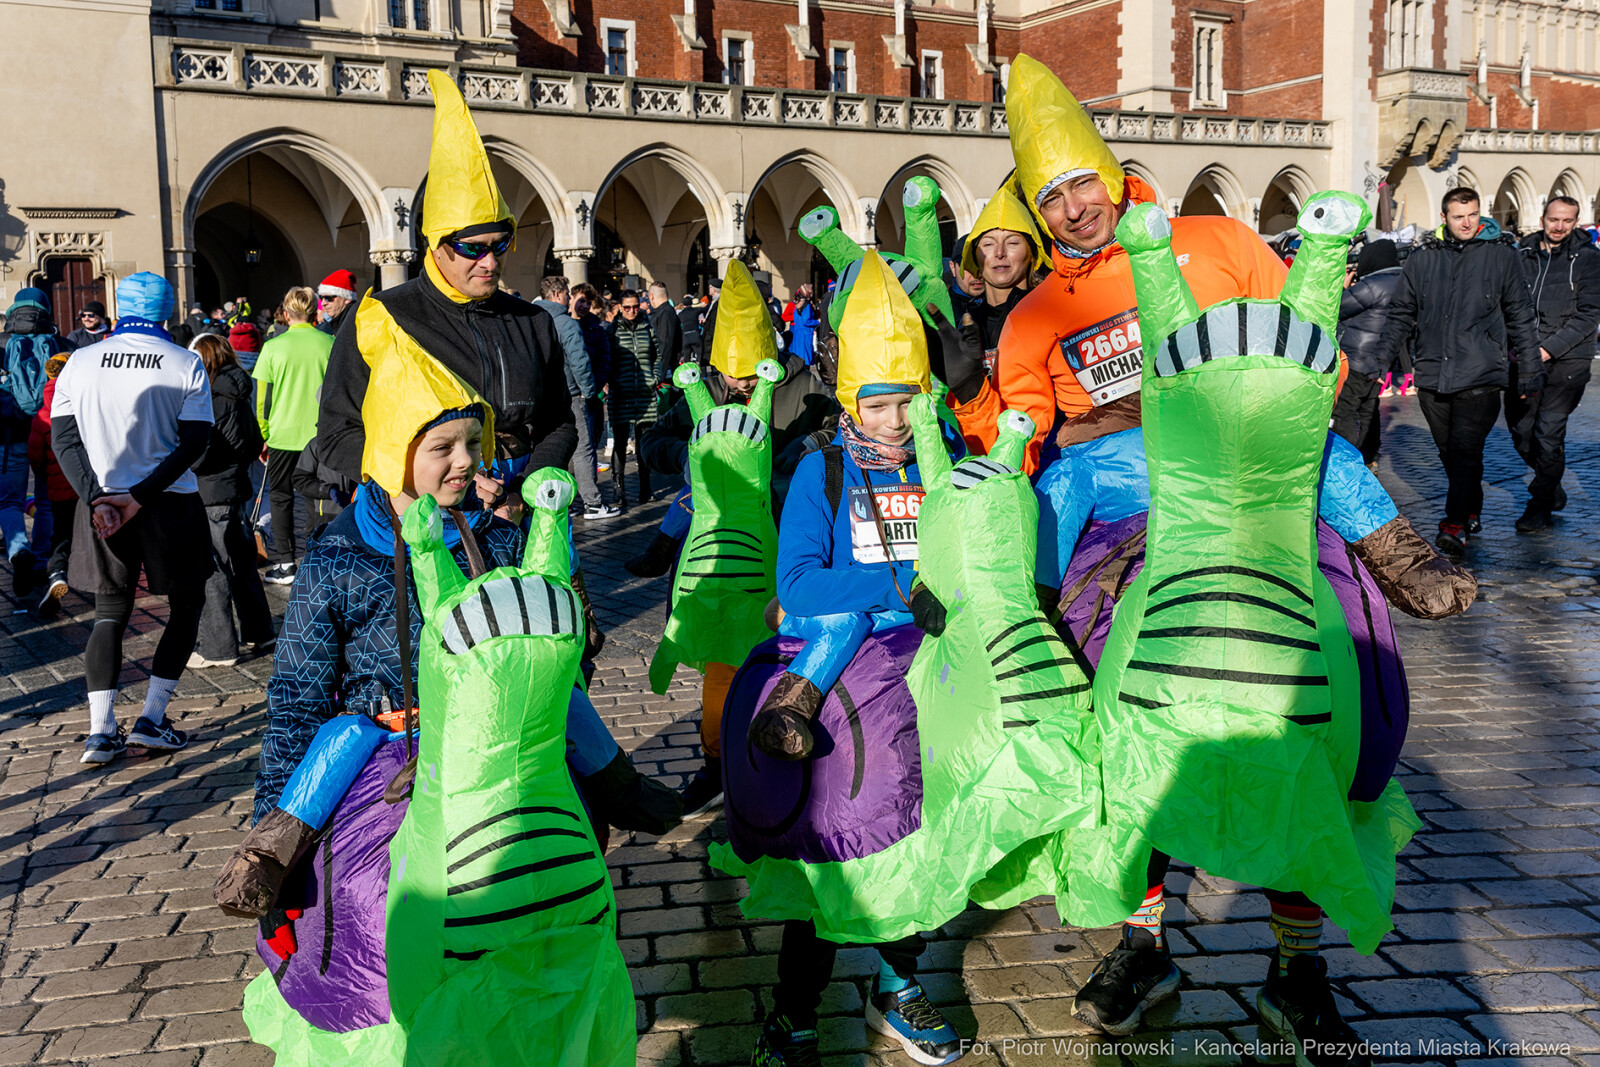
{"x": 1228, "y": 694}
{"x": 502, "y": 924}
{"x": 724, "y": 578}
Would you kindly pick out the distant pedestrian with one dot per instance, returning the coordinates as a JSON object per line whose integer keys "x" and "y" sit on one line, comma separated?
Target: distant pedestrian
{"x": 244, "y": 337}
{"x": 668, "y": 330}
{"x": 335, "y": 296}
{"x": 635, "y": 389}
{"x": 1362, "y": 312}
{"x": 131, "y": 415}
{"x": 802, "y": 319}
{"x": 557, "y": 299}
{"x": 92, "y": 325}
{"x": 29, "y": 342}
{"x": 63, "y": 500}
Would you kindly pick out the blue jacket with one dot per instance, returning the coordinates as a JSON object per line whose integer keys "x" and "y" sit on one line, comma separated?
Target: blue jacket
{"x": 1107, "y": 479}
{"x": 817, "y": 570}
{"x": 337, "y": 650}
{"x": 580, "y": 376}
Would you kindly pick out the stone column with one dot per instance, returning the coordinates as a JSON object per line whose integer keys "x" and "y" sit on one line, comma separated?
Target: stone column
{"x": 575, "y": 263}
{"x": 724, "y": 255}
{"x": 392, "y": 264}
{"x": 180, "y": 272}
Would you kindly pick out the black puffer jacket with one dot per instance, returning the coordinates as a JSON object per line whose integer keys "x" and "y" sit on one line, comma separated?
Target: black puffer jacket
{"x": 1362, "y": 312}
{"x": 223, "y": 470}
{"x": 1566, "y": 294}
{"x": 503, "y": 347}
{"x": 1468, "y": 305}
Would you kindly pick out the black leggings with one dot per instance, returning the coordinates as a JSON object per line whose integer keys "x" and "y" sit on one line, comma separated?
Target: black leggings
{"x": 103, "y": 654}
{"x": 1156, "y": 873}
{"x": 805, "y": 966}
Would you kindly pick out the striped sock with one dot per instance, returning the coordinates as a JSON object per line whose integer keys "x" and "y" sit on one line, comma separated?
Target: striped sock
{"x": 1298, "y": 931}
{"x": 1148, "y": 916}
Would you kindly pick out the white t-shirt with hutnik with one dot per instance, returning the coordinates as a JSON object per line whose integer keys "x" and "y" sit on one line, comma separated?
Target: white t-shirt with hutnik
{"x": 128, "y": 393}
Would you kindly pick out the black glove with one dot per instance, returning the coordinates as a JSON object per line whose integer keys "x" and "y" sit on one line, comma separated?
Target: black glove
{"x": 927, "y": 613}
{"x": 957, "y": 360}
{"x": 1531, "y": 382}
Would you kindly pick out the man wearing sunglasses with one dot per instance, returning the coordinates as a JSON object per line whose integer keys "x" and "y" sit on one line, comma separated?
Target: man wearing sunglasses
{"x": 92, "y": 325}
{"x": 504, "y": 348}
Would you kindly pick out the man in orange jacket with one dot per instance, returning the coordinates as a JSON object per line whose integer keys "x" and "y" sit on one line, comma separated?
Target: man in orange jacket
{"x": 1070, "y": 353}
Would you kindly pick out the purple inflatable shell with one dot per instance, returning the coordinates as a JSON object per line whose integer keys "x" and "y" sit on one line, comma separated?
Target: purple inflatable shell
{"x": 338, "y": 978}
{"x": 1111, "y": 554}
{"x": 861, "y": 790}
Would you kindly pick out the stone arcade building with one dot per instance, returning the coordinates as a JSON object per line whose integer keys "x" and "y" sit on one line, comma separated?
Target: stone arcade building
{"x": 246, "y": 145}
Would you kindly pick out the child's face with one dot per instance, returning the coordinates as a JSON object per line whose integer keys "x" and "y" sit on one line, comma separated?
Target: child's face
{"x": 886, "y": 417}
{"x": 443, "y": 461}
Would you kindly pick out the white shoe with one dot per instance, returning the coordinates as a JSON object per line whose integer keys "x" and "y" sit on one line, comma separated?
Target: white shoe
{"x": 601, "y": 511}
{"x": 197, "y": 662}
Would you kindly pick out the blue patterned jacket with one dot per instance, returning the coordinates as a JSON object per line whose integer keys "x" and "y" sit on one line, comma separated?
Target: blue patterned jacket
{"x": 338, "y": 650}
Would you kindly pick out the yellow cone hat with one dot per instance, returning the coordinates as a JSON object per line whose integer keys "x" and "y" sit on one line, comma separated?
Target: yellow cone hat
{"x": 406, "y": 390}
{"x": 880, "y": 337}
{"x": 1004, "y": 212}
{"x": 1052, "y": 135}
{"x": 461, "y": 189}
{"x": 744, "y": 334}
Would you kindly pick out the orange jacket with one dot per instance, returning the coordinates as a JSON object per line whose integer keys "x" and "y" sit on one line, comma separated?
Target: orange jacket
{"x": 1089, "y": 306}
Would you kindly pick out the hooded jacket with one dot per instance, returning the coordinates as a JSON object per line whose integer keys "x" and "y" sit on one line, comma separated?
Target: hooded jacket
{"x": 1565, "y": 284}
{"x": 580, "y": 375}
{"x": 1362, "y": 311}
{"x": 223, "y": 470}
{"x": 1467, "y": 304}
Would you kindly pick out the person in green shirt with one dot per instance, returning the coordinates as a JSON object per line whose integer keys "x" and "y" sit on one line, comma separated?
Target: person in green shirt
{"x": 288, "y": 380}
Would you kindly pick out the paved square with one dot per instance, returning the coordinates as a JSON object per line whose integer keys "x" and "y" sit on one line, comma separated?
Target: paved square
{"x": 113, "y": 952}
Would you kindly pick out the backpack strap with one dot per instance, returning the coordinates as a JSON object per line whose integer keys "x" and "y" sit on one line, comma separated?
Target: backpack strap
{"x": 833, "y": 476}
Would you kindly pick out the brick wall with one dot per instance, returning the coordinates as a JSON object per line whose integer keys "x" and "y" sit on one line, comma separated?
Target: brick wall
{"x": 1563, "y": 104}
{"x": 1081, "y": 47}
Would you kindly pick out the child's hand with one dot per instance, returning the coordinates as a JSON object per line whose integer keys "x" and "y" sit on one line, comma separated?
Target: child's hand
{"x": 927, "y": 612}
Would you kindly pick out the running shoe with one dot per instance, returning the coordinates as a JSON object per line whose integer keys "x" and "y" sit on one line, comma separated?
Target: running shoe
{"x": 55, "y": 589}
{"x": 1300, "y": 1007}
{"x": 1452, "y": 539}
{"x": 907, "y": 1016}
{"x": 1473, "y": 525}
{"x": 197, "y": 662}
{"x": 279, "y": 574}
{"x": 601, "y": 511}
{"x": 103, "y": 748}
{"x": 781, "y": 1044}
{"x": 1130, "y": 979}
{"x": 165, "y": 737}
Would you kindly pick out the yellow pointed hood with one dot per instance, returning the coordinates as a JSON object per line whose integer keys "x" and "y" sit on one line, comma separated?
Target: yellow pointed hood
{"x": 1052, "y": 136}
{"x": 1004, "y": 212}
{"x": 461, "y": 189}
{"x": 880, "y": 336}
{"x": 744, "y": 334}
{"x": 407, "y": 389}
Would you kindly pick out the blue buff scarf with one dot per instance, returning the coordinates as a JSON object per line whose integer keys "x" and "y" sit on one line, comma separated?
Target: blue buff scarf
{"x": 371, "y": 505}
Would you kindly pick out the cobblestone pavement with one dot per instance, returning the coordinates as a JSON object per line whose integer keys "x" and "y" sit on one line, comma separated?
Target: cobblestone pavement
{"x": 113, "y": 953}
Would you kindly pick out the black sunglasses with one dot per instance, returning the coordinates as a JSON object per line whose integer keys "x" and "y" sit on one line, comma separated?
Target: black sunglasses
{"x": 478, "y": 249}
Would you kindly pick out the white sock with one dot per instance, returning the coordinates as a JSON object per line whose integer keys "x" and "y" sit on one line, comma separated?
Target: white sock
{"x": 102, "y": 720}
{"x": 157, "y": 698}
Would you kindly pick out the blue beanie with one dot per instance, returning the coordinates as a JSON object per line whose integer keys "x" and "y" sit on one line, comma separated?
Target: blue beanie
{"x": 471, "y": 411}
{"x": 145, "y": 296}
{"x": 30, "y": 298}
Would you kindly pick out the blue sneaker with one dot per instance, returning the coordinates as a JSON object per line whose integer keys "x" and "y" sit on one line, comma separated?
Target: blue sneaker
{"x": 103, "y": 748}
{"x": 166, "y": 737}
{"x": 909, "y": 1018}
{"x": 781, "y": 1045}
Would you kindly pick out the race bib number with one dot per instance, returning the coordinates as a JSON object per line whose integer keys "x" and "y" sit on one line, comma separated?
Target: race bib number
{"x": 1106, "y": 357}
{"x": 898, "y": 505}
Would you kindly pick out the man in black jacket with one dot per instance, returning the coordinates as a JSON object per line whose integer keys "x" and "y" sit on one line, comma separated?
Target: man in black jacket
{"x": 1362, "y": 312}
{"x": 1563, "y": 271}
{"x": 1463, "y": 296}
{"x": 668, "y": 328}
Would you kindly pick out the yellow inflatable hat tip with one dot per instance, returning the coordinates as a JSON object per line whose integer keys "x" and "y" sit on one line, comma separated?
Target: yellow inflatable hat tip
{"x": 744, "y": 335}
{"x": 881, "y": 336}
{"x": 407, "y": 389}
{"x": 1052, "y": 135}
{"x": 461, "y": 190}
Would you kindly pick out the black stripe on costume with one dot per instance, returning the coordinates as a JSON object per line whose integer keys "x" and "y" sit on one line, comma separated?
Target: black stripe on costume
{"x": 526, "y": 835}
{"x": 713, "y": 557}
{"x": 1035, "y": 666}
{"x": 526, "y": 909}
{"x": 1142, "y": 702}
{"x": 1232, "y": 633}
{"x": 1281, "y": 346}
{"x": 509, "y": 813}
{"x": 555, "y": 613}
{"x": 1016, "y": 724}
{"x": 1244, "y": 328}
{"x": 1007, "y": 632}
{"x": 1045, "y": 694}
{"x": 517, "y": 872}
{"x": 601, "y": 914}
{"x": 725, "y": 530}
{"x": 1232, "y": 598}
{"x": 464, "y": 957}
{"x": 1202, "y": 333}
{"x": 522, "y": 605}
{"x": 742, "y": 419}
{"x": 1311, "y": 346}
{"x": 1219, "y": 674}
{"x": 1029, "y": 643}
{"x": 1310, "y": 720}
{"x": 1248, "y": 572}
{"x": 1174, "y": 353}
{"x": 468, "y": 638}
{"x": 714, "y": 574}
{"x": 489, "y": 615}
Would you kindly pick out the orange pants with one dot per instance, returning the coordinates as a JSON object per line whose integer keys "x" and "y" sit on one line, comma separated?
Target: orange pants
{"x": 713, "y": 695}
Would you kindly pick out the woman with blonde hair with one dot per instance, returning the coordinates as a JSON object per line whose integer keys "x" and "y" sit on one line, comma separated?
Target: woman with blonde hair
{"x": 223, "y": 473}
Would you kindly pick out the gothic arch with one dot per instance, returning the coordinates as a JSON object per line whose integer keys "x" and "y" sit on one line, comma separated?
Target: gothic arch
{"x": 1146, "y": 175}
{"x": 701, "y": 184}
{"x": 953, "y": 191}
{"x": 1214, "y": 191}
{"x": 540, "y": 177}
{"x": 841, "y": 192}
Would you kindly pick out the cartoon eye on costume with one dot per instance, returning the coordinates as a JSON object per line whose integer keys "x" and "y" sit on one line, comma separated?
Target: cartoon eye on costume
{"x": 817, "y": 223}
{"x": 768, "y": 370}
{"x": 1332, "y": 216}
{"x": 553, "y": 495}
{"x": 686, "y": 375}
{"x": 912, "y": 195}
{"x": 1017, "y": 422}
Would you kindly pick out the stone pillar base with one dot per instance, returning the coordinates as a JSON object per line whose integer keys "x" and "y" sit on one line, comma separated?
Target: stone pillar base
{"x": 574, "y": 263}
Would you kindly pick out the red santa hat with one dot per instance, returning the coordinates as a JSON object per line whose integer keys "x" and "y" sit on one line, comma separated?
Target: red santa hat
{"x": 339, "y": 283}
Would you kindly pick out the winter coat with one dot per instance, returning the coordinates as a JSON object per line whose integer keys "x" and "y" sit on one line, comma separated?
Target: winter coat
{"x": 223, "y": 470}
{"x": 1362, "y": 311}
{"x": 15, "y": 424}
{"x": 803, "y": 322}
{"x": 1566, "y": 294}
{"x": 597, "y": 342}
{"x": 1467, "y": 305}
{"x": 669, "y": 337}
{"x": 337, "y": 650}
{"x": 580, "y": 375}
{"x": 635, "y": 370}
{"x": 41, "y": 456}
{"x": 503, "y": 347}
{"x": 81, "y": 337}
{"x": 689, "y": 323}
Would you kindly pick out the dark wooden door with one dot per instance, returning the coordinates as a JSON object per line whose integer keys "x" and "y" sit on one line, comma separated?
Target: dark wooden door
{"x": 72, "y": 283}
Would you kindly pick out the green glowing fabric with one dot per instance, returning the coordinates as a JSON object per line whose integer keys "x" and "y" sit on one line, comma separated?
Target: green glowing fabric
{"x": 724, "y": 579}
{"x": 1228, "y": 695}
{"x": 1009, "y": 745}
{"x": 501, "y": 929}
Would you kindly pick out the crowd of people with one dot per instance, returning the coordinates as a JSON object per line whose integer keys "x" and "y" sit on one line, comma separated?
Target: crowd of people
{"x": 151, "y": 443}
